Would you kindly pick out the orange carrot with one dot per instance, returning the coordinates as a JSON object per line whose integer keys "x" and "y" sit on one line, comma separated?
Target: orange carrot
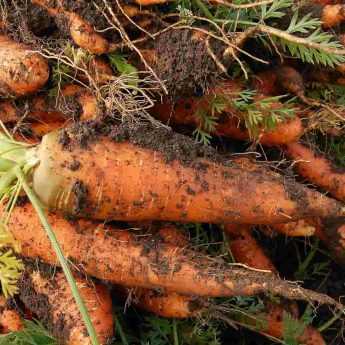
{"x": 317, "y": 169}
{"x": 246, "y": 250}
{"x": 50, "y": 299}
{"x": 82, "y": 32}
{"x": 230, "y": 121}
{"x": 137, "y": 181}
{"x": 10, "y": 320}
{"x": 46, "y": 114}
{"x": 301, "y": 227}
{"x": 169, "y": 303}
{"x": 21, "y": 71}
{"x": 333, "y": 15}
{"x": 118, "y": 257}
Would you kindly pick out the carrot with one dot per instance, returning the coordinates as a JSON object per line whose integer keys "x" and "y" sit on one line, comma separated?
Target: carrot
{"x": 10, "y": 320}
{"x": 185, "y": 112}
{"x": 50, "y": 299}
{"x": 317, "y": 169}
{"x": 168, "y": 303}
{"x": 332, "y": 234}
{"x": 332, "y": 15}
{"x": 272, "y": 322}
{"x": 246, "y": 250}
{"x": 301, "y": 227}
{"x": 118, "y": 257}
{"x": 47, "y": 114}
{"x": 135, "y": 180}
{"x": 82, "y": 33}
{"x": 21, "y": 71}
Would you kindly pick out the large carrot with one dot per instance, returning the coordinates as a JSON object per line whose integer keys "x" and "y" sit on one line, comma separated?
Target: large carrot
{"x": 119, "y": 257}
{"x": 317, "y": 169}
{"x": 50, "y": 299}
{"x": 144, "y": 173}
{"x": 246, "y": 250}
{"x": 21, "y": 71}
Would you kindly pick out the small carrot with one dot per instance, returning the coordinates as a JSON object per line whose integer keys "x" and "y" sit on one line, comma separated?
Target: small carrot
{"x": 82, "y": 32}
{"x": 47, "y": 114}
{"x": 21, "y": 71}
{"x": 230, "y": 122}
{"x": 50, "y": 299}
{"x": 317, "y": 169}
{"x": 10, "y": 320}
{"x": 246, "y": 250}
{"x": 118, "y": 257}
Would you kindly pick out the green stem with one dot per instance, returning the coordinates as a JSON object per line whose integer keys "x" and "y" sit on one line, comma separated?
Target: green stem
{"x": 176, "y": 342}
{"x": 330, "y": 322}
{"x": 121, "y": 333}
{"x": 204, "y": 9}
{"x": 63, "y": 262}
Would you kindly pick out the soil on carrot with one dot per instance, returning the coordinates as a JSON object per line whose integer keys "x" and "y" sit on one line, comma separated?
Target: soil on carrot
{"x": 38, "y": 303}
{"x": 172, "y": 145}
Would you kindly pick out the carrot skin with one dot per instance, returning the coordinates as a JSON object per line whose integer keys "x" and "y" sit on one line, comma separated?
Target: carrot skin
{"x": 10, "y": 320}
{"x": 246, "y": 249}
{"x": 22, "y": 71}
{"x": 118, "y": 257}
{"x": 317, "y": 169}
{"x": 299, "y": 228}
{"x": 184, "y": 111}
{"x": 51, "y": 300}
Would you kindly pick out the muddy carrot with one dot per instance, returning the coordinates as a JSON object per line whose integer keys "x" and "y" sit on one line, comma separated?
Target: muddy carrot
{"x": 10, "y": 320}
{"x": 82, "y": 32}
{"x": 246, "y": 250}
{"x": 50, "y": 299}
{"x": 120, "y": 258}
{"x": 135, "y": 178}
{"x": 317, "y": 169}
{"x": 22, "y": 71}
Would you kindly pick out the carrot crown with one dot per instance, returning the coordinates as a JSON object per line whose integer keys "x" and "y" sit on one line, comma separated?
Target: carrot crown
{"x": 17, "y": 161}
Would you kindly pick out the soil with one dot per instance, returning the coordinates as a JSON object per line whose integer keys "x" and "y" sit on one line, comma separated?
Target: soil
{"x": 184, "y": 63}
{"x": 172, "y": 145}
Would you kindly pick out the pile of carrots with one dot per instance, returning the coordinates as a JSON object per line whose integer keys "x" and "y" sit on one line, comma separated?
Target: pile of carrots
{"x": 98, "y": 174}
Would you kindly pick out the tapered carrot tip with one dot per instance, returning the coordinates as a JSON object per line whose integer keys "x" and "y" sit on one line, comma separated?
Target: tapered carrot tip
{"x": 300, "y": 228}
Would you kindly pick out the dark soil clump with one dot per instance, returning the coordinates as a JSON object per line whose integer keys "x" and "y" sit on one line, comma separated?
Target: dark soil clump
{"x": 184, "y": 63}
